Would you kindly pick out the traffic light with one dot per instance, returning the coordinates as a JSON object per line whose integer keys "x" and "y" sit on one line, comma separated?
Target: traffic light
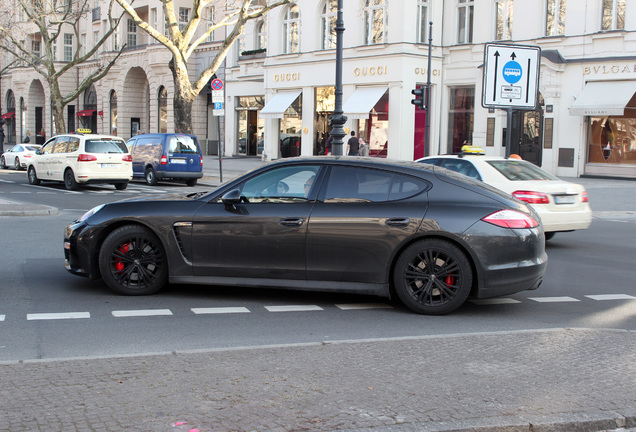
{"x": 419, "y": 100}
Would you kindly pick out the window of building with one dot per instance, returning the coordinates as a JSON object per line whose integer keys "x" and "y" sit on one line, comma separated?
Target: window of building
{"x": 555, "y": 18}
{"x": 613, "y": 15}
{"x": 504, "y": 19}
{"x": 131, "y": 29}
{"x": 291, "y": 126}
{"x": 35, "y": 48}
{"x": 113, "y": 112}
{"x": 328, "y": 24}
{"x": 261, "y": 35}
{"x": 291, "y": 30}
{"x": 83, "y": 43}
{"x": 375, "y": 21}
{"x": 95, "y": 41}
{"x": 465, "y": 14}
{"x": 240, "y": 45}
{"x": 422, "y": 21}
{"x": 154, "y": 19}
{"x": 209, "y": 17}
{"x": 460, "y": 118}
{"x": 162, "y": 105}
{"x": 68, "y": 47}
{"x": 184, "y": 18}
{"x": 610, "y": 140}
{"x": 250, "y": 127}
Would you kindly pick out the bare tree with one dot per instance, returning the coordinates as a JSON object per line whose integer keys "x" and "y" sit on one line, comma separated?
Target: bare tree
{"x": 51, "y": 19}
{"x": 183, "y": 43}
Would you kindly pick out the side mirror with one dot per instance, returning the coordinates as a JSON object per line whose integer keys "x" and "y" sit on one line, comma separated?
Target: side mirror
{"x": 231, "y": 198}
{"x": 38, "y": 152}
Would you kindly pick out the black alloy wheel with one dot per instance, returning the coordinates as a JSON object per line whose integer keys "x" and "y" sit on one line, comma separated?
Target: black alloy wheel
{"x": 433, "y": 277}
{"x": 33, "y": 177}
{"x": 69, "y": 180}
{"x": 132, "y": 261}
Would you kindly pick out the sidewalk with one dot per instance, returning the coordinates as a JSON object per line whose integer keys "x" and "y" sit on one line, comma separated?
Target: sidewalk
{"x": 547, "y": 380}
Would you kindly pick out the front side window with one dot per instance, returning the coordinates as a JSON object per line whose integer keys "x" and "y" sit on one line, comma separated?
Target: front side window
{"x": 555, "y": 18}
{"x": 291, "y": 30}
{"x": 328, "y": 24}
{"x": 375, "y": 17}
{"x": 465, "y": 13}
{"x": 422, "y": 20}
{"x": 283, "y": 185}
{"x": 613, "y": 15}
{"x": 504, "y": 19}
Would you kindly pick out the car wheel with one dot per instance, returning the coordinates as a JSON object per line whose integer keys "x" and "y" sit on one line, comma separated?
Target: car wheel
{"x": 33, "y": 177}
{"x": 433, "y": 277}
{"x": 191, "y": 182}
{"x": 549, "y": 235}
{"x": 121, "y": 186}
{"x": 132, "y": 261}
{"x": 69, "y": 180}
{"x": 151, "y": 178}
{"x": 3, "y": 165}
{"x": 16, "y": 164}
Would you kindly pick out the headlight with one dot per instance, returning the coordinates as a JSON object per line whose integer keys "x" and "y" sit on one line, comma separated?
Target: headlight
{"x": 91, "y": 212}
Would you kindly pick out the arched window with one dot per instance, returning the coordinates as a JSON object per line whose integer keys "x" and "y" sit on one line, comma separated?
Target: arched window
{"x": 162, "y": 104}
{"x": 291, "y": 24}
{"x": 328, "y": 24}
{"x": 261, "y": 35}
{"x": 375, "y": 18}
{"x": 113, "y": 112}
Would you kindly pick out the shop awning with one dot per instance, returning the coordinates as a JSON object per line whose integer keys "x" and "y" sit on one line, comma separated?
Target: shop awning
{"x": 8, "y": 115}
{"x": 362, "y": 101}
{"x": 605, "y": 98}
{"x": 277, "y": 105}
{"x": 85, "y": 113}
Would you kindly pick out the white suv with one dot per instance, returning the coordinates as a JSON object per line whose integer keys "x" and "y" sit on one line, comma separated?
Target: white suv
{"x": 80, "y": 159}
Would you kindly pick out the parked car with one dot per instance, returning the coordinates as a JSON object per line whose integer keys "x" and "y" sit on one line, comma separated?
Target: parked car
{"x": 18, "y": 156}
{"x": 344, "y": 224}
{"x": 78, "y": 159}
{"x": 166, "y": 156}
{"x": 563, "y": 206}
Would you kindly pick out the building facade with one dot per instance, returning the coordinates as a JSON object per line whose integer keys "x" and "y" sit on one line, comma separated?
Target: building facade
{"x": 278, "y": 82}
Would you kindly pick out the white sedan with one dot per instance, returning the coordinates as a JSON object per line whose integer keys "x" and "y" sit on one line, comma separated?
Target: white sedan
{"x": 563, "y": 206}
{"x": 18, "y": 156}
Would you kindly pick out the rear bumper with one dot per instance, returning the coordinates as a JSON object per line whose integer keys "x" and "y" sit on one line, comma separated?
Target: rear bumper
{"x": 564, "y": 220}
{"x": 178, "y": 175}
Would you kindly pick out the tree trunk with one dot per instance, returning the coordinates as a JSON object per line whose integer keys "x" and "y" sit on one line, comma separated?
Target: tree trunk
{"x": 183, "y": 98}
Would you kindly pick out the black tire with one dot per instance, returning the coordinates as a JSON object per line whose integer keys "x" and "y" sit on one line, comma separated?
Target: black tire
{"x": 151, "y": 177}
{"x": 33, "y": 176}
{"x": 16, "y": 164}
{"x": 69, "y": 180}
{"x": 549, "y": 235}
{"x": 132, "y": 261}
{"x": 121, "y": 186}
{"x": 433, "y": 277}
{"x": 191, "y": 182}
{"x": 3, "y": 164}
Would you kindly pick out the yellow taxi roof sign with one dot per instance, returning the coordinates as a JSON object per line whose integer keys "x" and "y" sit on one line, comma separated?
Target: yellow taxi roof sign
{"x": 471, "y": 149}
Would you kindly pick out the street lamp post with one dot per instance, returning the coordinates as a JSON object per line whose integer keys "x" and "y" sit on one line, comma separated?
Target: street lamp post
{"x": 338, "y": 120}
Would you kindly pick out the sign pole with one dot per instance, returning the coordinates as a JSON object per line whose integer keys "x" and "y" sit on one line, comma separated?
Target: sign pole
{"x": 427, "y": 125}
{"x": 508, "y": 131}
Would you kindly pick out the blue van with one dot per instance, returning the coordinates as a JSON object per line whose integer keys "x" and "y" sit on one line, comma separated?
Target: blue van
{"x": 166, "y": 156}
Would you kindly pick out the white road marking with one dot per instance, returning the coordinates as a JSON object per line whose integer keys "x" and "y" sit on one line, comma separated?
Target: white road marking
{"x": 553, "y": 299}
{"x": 611, "y": 297}
{"x": 141, "y": 313}
{"x": 359, "y": 306}
{"x": 2, "y": 317}
{"x": 293, "y": 308}
{"x": 494, "y": 301}
{"x": 56, "y": 316}
{"x": 220, "y": 310}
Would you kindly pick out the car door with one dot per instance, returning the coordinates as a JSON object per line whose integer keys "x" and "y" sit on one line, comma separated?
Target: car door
{"x": 361, "y": 217}
{"x": 40, "y": 161}
{"x": 61, "y": 157}
{"x": 263, "y": 236}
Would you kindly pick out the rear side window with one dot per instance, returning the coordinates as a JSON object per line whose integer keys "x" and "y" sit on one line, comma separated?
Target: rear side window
{"x": 183, "y": 144}
{"x": 73, "y": 144}
{"x": 105, "y": 146}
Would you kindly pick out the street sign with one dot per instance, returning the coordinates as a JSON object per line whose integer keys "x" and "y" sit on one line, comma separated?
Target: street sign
{"x": 511, "y": 76}
{"x": 217, "y": 95}
{"x": 216, "y": 84}
{"x": 218, "y": 109}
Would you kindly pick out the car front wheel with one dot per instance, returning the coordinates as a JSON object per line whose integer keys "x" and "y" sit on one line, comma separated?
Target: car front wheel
{"x": 433, "y": 277}
{"x": 33, "y": 176}
{"x": 16, "y": 164}
{"x": 132, "y": 261}
{"x": 3, "y": 164}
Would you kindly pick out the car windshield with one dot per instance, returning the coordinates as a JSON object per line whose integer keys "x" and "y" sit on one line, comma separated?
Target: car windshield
{"x": 105, "y": 146}
{"x": 516, "y": 170}
{"x": 183, "y": 144}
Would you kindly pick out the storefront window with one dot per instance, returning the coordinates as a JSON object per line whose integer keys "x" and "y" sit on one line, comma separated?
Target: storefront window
{"x": 250, "y": 127}
{"x": 612, "y": 140}
{"x": 375, "y": 129}
{"x": 291, "y": 129}
{"x": 325, "y": 104}
{"x": 460, "y": 118}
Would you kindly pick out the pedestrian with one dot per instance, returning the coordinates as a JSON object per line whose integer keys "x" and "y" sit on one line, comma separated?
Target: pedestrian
{"x": 328, "y": 145}
{"x": 353, "y": 145}
{"x": 27, "y": 137}
{"x": 364, "y": 148}
{"x": 1, "y": 136}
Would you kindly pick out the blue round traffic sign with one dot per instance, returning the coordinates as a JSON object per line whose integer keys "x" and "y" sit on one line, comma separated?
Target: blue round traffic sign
{"x": 217, "y": 84}
{"x": 512, "y": 72}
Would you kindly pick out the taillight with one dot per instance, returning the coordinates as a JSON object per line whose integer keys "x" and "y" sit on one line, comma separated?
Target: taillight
{"x": 585, "y": 197}
{"x": 201, "y": 161}
{"x": 531, "y": 197}
{"x": 164, "y": 160}
{"x": 127, "y": 158}
{"x": 511, "y": 219}
{"x": 86, "y": 158}
{"x": 27, "y": 156}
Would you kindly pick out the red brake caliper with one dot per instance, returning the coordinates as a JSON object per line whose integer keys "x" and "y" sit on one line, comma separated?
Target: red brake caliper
{"x": 450, "y": 280}
{"x": 119, "y": 266}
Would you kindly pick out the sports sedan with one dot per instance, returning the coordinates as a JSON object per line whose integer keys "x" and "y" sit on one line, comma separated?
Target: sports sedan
{"x": 18, "y": 156}
{"x": 563, "y": 206}
{"x": 370, "y": 226}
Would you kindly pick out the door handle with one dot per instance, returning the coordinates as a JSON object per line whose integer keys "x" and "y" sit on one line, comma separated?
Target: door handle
{"x": 397, "y": 222}
{"x": 291, "y": 222}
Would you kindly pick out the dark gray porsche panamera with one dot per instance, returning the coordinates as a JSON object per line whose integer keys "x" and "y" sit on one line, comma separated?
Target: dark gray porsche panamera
{"x": 342, "y": 224}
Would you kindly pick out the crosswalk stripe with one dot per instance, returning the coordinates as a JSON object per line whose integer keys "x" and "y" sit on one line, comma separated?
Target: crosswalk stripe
{"x": 141, "y": 313}
{"x": 360, "y": 306}
{"x": 220, "y": 310}
{"x": 55, "y": 316}
{"x": 494, "y": 301}
{"x": 553, "y": 299}
{"x": 293, "y": 308}
{"x": 611, "y": 297}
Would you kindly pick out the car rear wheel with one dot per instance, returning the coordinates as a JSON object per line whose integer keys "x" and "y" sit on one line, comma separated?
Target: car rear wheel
{"x": 16, "y": 164}
{"x": 433, "y": 277}
{"x": 132, "y": 261}
{"x": 549, "y": 235}
{"x": 33, "y": 176}
{"x": 121, "y": 186}
{"x": 151, "y": 178}
{"x": 191, "y": 182}
{"x": 3, "y": 164}
{"x": 69, "y": 180}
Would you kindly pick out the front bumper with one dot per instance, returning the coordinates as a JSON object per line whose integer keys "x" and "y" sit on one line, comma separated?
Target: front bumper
{"x": 77, "y": 258}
